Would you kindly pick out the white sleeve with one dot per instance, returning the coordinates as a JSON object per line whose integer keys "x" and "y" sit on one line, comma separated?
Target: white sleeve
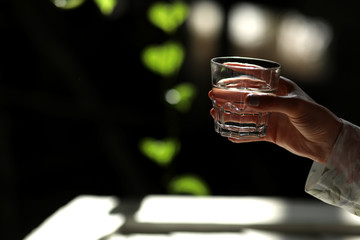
{"x": 338, "y": 182}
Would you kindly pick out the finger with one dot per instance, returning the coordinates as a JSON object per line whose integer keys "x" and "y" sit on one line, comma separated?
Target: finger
{"x": 212, "y": 112}
{"x": 222, "y": 96}
{"x": 290, "y": 99}
{"x": 290, "y": 106}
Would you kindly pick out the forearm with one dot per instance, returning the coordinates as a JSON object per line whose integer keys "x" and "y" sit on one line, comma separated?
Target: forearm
{"x": 338, "y": 182}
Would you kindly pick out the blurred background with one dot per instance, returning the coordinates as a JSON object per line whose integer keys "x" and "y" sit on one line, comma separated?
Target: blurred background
{"x": 109, "y": 97}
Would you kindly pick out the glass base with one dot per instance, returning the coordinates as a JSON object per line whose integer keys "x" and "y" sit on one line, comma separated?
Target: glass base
{"x": 246, "y": 131}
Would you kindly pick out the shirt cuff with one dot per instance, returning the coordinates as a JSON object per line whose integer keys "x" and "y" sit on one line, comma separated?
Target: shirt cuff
{"x": 338, "y": 181}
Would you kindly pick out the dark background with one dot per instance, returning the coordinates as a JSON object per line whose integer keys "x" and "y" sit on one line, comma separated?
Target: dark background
{"x": 70, "y": 124}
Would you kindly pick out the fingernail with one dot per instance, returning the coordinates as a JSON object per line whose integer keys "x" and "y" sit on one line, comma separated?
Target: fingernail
{"x": 253, "y": 100}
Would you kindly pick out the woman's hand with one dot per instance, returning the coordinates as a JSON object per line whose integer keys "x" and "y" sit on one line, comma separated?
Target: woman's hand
{"x": 297, "y": 123}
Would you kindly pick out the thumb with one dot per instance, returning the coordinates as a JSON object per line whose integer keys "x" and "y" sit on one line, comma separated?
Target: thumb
{"x": 274, "y": 103}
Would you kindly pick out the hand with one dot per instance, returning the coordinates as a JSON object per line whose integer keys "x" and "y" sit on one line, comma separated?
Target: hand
{"x": 297, "y": 122}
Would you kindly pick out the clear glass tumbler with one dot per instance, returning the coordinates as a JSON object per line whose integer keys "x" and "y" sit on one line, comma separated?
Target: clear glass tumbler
{"x": 233, "y": 78}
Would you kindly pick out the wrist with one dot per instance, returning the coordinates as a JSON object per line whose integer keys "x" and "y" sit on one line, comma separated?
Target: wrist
{"x": 333, "y": 136}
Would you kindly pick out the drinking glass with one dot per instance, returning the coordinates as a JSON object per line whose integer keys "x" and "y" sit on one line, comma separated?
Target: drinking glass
{"x": 233, "y": 78}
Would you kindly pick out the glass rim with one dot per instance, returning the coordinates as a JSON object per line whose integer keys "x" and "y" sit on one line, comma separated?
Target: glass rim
{"x": 275, "y": 66}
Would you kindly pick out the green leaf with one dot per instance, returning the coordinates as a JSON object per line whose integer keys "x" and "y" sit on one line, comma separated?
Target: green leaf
{"x": 188, "y": 184}
{"x": 106, "y": 6}
{"x": 68, "y": 4}
{"x": 165, "y": 59}
{"x": 181, "y": 96}
{"x": 166, "y": 16}
{"x": 160, "y": 151}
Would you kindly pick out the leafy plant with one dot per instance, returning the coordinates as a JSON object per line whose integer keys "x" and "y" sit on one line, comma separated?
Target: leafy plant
{"x": 181, "y": 96}
{"x": 68, "y": 4}
{"x": 167, "y": 16}
{"x": 160, "y": 151}
{"x": 165, "y": 59}
{"x": 106, "y": 6}
{"x": 188, "y": 184}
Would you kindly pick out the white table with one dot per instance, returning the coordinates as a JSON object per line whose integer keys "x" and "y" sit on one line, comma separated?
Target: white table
{"x": 190, "y": 217}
